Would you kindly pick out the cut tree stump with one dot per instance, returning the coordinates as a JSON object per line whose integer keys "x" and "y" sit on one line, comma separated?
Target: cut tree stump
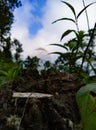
{"x": 31, "y": 95}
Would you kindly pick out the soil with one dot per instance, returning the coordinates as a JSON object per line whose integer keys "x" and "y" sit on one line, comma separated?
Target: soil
{"x": 52, "y": 113}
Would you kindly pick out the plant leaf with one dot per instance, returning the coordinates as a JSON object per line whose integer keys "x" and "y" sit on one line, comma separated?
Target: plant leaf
{"x": 71, "y": 7}
{"x": 87, "y": 88}
{"x": 58, "y": 53}
{"x": 66, "y": 33}
{"x": 72, "y": 45}
{"x": 64, "y": 19}
{"x": 4, "y": 73}
{"x": 59, "y": 45}
{"x": 86, "y": 100}
{"x": 84, "y": 9}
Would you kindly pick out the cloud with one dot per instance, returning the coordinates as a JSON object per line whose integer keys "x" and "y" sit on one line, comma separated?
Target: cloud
{"x": 48, "y": 33}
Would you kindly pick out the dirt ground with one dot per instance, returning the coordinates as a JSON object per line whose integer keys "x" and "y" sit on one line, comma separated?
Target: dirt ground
{"x": 52, "y": 113}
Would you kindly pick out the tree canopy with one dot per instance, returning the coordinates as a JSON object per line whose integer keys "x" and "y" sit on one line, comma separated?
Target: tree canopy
{"x": 6, "y": 20}
{"x": 6, "y": 15}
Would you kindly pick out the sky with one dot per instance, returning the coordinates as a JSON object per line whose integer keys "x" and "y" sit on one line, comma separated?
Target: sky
{"x": 34, "y": 29}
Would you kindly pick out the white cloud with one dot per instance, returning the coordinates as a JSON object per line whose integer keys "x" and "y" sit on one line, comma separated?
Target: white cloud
{"x": 50, "y": 33}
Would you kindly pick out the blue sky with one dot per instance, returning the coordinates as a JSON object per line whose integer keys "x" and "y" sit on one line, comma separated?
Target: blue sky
{"x": 38, "y": 12}
{"x": 33, "y": 28}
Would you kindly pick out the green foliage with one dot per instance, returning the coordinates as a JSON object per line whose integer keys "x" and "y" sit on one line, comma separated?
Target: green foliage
{"x": 7, "y": 17}
{"x": 6, "y": 20}
{"x": 86, "y": 99}
{"x": 47, "y": 65}
{"x": 79, "y": 54}
{"x": 9, "y": 71}
{"x": 32, "y": 62}
{"x": 17, "y": 46}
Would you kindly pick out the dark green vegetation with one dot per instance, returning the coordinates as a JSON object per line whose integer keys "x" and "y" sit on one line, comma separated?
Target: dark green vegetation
{"x": 72, "y": 69}
{"x": 6, "y": 19}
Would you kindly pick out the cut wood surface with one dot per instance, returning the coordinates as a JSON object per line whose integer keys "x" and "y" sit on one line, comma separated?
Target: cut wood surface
{"x": 31, "y": 95}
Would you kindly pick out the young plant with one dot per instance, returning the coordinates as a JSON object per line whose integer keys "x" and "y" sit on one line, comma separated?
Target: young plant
{"x": 79, "y": 50}
{"x": 9, "y": 72}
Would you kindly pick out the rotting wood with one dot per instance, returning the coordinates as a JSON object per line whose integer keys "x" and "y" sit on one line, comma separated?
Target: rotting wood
{"x": 31, "y": 95}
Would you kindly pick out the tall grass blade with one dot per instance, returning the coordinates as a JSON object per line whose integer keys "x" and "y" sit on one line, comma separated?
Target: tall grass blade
{"x": 64, "y": 19}
{"x": 71, "y": 7}
{"x": 84, "y": 9}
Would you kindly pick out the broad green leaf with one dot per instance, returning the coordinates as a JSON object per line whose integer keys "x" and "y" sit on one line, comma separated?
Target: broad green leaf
{"x": 87, "y": 106}
{"x": 86, "y": 100}
{"x": 86, "y": 88}
{"x": 71, "y": 7}
{"x": 84, "y": 9}
{"x": 64, "y": 19}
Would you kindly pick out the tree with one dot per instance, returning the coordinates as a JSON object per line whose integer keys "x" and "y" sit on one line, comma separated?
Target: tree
{"x": 9, "y": 70}
{"x": 18, "y": 49}
{"x": 6, "y": 20}
{"x": 47, "y": 65}
{"x": 32, "y": 63}
{"x": 6, "y": 16}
